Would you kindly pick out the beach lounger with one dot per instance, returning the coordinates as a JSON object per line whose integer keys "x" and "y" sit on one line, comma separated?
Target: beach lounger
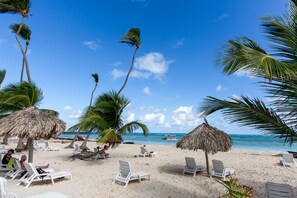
{"x": 3, "y": 192}
{"x": 49, "y": 195}
{"x": 76, "y": 150}
{"x": 33, "y": 175}
{"x": 288, "y": 160}
{"x": 125, "y": 175}
{"x": 48, "y": 148}
{"x": 15, "y": 170}
{"x": 145, "y": 153}
{"x": 36, "y": 145}
{"x": 98, "y": 156}
{"x": 191, "y": 166}
{"x": 220, "y": 171}
{"x": 275, "y": 190}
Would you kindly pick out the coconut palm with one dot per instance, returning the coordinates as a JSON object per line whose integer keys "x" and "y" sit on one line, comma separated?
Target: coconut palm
{"x": 25, "y": 34}
{"x": 19, "y": 96}
{"x": 2, "y": 75}
{"x": 132, "y": 37}
{"x": 105, "y": 118}
{"x": 96, "y": 78}
{"x": 279, "y": 68}
{"x": 20, "y": 7}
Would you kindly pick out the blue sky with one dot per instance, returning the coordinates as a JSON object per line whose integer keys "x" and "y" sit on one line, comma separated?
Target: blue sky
{"x": 175, "y": 65}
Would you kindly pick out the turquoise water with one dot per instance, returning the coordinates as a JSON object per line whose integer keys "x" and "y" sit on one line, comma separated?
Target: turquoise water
{"x": 250, "y": 142}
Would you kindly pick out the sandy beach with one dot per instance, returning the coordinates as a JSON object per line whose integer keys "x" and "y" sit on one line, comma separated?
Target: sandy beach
{"x": 94, "y": 178}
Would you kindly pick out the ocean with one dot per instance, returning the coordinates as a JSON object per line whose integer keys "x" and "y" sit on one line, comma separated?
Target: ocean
{"x": 240, "y": 141}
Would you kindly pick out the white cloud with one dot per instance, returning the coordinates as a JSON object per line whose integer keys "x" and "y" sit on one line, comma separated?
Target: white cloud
{"x": 67, "y": 108}
{"x": 117, "y": 73}
{"x": 153, "y": 62}
{"x": 157, "y": 118}
{"x": 140, "y": 74}
{"x": 74, "y": 114}
{"x": 184, "y": 116}
{"x": 244, "y": 73}
{"x": 131, "y": 117}
{"x": 179, "y": 43}
{"x": 221, "y": 88}
{"x": 147, "y": 91}
{"x": 223, "y": 16}
{"x": 93, "y": 45}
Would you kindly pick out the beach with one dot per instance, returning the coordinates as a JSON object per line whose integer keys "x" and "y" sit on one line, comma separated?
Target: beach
{"x": 94, "y": 178}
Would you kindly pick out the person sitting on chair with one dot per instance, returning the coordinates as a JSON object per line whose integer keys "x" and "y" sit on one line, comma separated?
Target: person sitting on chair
{"x": 24, "y": 158}
{"x": 7, "y": 156}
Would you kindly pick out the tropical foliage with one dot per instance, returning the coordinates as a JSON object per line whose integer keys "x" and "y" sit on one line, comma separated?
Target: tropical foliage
{"x": 132, "y": 37}
{"x": 2, "y": 76}
{"x": 20, "y": 7}
{"x": 279, "y": 70}
{"x": 235, "y": 190}
{"x": 105, "y": 118}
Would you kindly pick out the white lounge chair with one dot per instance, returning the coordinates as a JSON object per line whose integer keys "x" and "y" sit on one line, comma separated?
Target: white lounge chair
{"x": 145, "y": 153}
{"x": 3, "y": 192}
{"x": 2, "y": 149}
{"x": 125, "y": 175}
{"x": 275, "y": 190}
{"x": 15, "y": 170}
{"x": 32, "y": 175}
{"x": 191, "y": 166}
{"x": 36, "y": 145}
{"x": 48, "y": 148}
{"x": 76, "y": 150}
{"x": 98, "y": 156}
{"x": 49, "y": 195}
{"x": 288, "y": 160}
{"x": 220, "y": 171}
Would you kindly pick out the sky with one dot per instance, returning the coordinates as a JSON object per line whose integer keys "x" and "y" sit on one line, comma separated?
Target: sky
{"x": 175, "y": 67}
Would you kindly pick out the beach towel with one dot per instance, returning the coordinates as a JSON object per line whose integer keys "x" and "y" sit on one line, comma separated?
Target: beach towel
{"x": 10, "y": 163}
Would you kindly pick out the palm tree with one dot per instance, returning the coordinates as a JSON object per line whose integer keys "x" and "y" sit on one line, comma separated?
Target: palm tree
{"x": 25, "y": 34}
{"x": 21, "y": 7}
{"x": 96, "y": 78}
{"x": 105, "y": 118}
{"x": 19, "y": 96}
{"x": 132, "y": 37}
{"x": 2, "y": 75}
{"x": 278, "y": 68}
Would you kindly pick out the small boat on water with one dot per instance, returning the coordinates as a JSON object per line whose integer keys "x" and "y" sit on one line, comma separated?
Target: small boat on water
{"x": 170, "y": 138}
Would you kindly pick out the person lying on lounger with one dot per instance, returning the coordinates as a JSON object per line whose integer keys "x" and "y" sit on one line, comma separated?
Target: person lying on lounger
{"x": 38, "y": 168}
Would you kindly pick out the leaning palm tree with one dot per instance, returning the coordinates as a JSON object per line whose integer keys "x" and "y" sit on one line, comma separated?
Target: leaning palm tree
{"x": 279, "y": 69}
{"x": 25, "y": 34}
{"x": 2, "y": 75}
{"x": 96, "y": 78}
{"x": 105, "y": 118}
{"x": 132, "y": 37}
{"x": 21, "y": 7}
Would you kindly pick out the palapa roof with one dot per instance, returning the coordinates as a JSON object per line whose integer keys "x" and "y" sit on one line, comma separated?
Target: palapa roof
{"x": 206, "y": 138}
{"x": 30, "y": 123}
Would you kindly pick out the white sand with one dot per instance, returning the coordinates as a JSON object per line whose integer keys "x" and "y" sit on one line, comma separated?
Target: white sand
{"x": 94, "y": 178}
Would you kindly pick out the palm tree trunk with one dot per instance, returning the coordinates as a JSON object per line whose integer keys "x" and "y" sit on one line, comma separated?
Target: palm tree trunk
{"x": 207, "y": 163}
{"x": 84, "y": 144}
{"x": 22, "y": 50}
{"x": 30, "y": 153}
{"x": 20, "y": 145}
{"x": 128, "y": 74}
{"x": 23, "y": 64}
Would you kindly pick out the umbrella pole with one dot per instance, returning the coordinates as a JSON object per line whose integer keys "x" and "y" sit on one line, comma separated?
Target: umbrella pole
{"x": 30, "y": 144}
{"x": 207, "y": 164}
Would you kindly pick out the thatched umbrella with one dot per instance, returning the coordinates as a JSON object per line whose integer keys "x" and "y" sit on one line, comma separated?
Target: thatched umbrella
{"x": 30, "y": 123}
{"x": 207, "y": 138}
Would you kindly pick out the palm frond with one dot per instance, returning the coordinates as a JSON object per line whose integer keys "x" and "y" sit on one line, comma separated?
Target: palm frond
{"x": 132, "y": 37}
{"x": 2, "y": 75}
{"x": 252, "y": 113}
{"x": 245, "y": 54}
{"x": 21, "y": 7}
{"x": 96, "y": 77}
{"x": 132, "y": 126}
{"x": 25, "y": 32}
